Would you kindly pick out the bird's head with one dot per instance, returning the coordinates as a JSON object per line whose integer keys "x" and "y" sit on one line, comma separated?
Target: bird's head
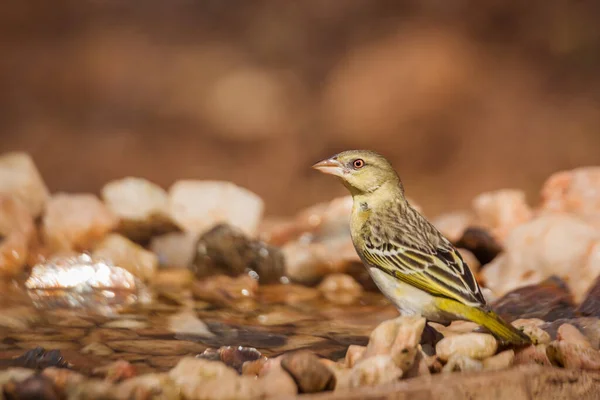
{"x": 362, "y": 171}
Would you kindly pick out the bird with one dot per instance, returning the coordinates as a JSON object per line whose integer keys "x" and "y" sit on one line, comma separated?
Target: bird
{"x": 410, "y": 261}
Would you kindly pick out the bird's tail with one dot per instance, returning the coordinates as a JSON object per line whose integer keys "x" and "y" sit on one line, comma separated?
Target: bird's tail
{"x": 502, "y": 330}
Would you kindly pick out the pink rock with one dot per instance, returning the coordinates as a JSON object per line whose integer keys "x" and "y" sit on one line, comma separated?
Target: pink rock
{"x": 571, "y": 334}
{"x": 17, "y": 232}
{"x": 76, "y": 222}
{"x": 453, "y": 225}
{"x": 126, "y": 254}
{"x": 502, "y": 210}
{"x": 573, "y": 356}
{"x": 556, "y": 244}
{"x": 576, "y": 191}
{"x": 340, "y": 289}
{"x": 19, "y": 177}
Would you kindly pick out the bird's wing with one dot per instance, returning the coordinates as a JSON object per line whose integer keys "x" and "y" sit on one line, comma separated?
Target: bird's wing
{"x": 439, "y": 272}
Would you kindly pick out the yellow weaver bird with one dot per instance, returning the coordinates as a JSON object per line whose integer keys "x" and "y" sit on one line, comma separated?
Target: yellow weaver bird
{"x": 411, "y": 262}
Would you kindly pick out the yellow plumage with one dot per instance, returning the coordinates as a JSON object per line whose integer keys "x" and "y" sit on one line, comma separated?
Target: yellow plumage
{"x": 411, "y": 262}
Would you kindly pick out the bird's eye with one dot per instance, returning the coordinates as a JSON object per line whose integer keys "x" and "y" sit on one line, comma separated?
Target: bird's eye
{"x": 358, "y": 163}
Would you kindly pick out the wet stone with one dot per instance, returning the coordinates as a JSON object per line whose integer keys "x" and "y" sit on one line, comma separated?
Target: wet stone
{"x": 226, "y": 250}
{"x": 233, "y": 356}
{"x": 227, "y": 335}
{"x": 481, "y": 243}
{"x": 309, "y": 374}
{"x": 549, "y": 300}
{"x": 38, "y": 358}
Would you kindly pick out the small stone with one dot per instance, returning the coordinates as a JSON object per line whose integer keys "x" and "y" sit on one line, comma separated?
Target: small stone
{"x": 148, "y": 386}
{"x": 62, "y": 378}
{"x": 38, "y": 358}
{"x": 76, "y": 222}
{"x": 198, "y": 206}
{"x": 590, "y": 306}
{"x": 453, "y": 225}
{"x": 502, "y": 210}
{"x": 35, "y": 387}
{"x": 473, "y": 345}
{"x": 187, "y": 323}
{"x": 455, "y": 328}
{"x": 225, "y": 290}
{"x": 558, "y": 245}
{"x": 480, "y": 243}
{"x": 374, "y": 371}
{"x": 571, "y": 334}
{"x": 141, "y": 206}
{"x": 589, "y": 326}
{"x": 398, "y": 338}
{"x": 531, "y": 328}
{"x": 20, "y": 178}
{"x": 174, "y": 250}
{"x": 534, "y": 354}
{"x": 97, "y": 349}
{"x": 354, "y": 354}
{"x": 309, "y": 374}
{"x": 17, "y": 232}
{"x": 192, "y": 375}
{"x": 254, "y": 367}
{"x": 126, "y": 254}
{"x": 15, "y": 375}
{"x": 340, "y": 289}
{"x": 116, "y": 371}
{"x": 574, "y": 191}
{"x": 462, "y": 363}
{"x": 573, "y": 356}
{"x": 277, "y": 383}
{"x": 226, "y": 250}
{"x": 548, "y": 300}
{"x": 500, "y": 361}
{"x": 419, "y": 367}
{"x": 237, "y": 356}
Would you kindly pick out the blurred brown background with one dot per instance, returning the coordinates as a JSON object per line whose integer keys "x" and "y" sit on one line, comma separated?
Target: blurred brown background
{"x": 463, "y": 96}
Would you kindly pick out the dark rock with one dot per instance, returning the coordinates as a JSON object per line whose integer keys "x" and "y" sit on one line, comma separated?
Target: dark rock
{"x": 38, "y": 358}
{"x": 481, "y": 243}
{"x": 548, "y": 300}
{"x": 589, "y": 326}
{"x": 36, "y": 387}
{"x": 309, "y": 374}
{"x": 590, "y": 307}
{"x": 429, "y": 339}
{"x": 226, "y": 250}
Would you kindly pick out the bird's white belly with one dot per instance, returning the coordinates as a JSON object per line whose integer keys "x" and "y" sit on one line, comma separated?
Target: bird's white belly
{"x": 408, "y": 299}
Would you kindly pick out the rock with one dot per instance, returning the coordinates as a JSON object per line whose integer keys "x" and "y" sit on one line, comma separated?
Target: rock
{"x": 38, "y": 358}
{"x": 277, "y": 383}
{"x": 532, "y": 329}
{"x": 226, "y": 250}
{"x": 148, "y": 386}
{"x": 187, "y": 323}
{"x": 15, "y": 375}
{"x": 236, "y": 357}
{"x": 589, "y": 326}
{"x": 398, "y": 338}
{"x": 374, "y": 371}
{"x": 203, "y": 379}
{"x": 20, "y": 178}
{"x": 453, "y": 225}
{"x": 548, "y": 300}
{"x": 76, "y": 222}
{"x": 318, "y": 242}
{"x": 198, "y": 206}
{"x": 17, "y": 232}
{"x": 97, "y": 349}
{"x": 474, "y": 345}
{"x": 354, "y": 354}
{"x": 35, "y": 387}
{"x": 534, "y": 354}
{"x": 455, "y": 328}
{"x": 309, "y": 374}
{"x": 141, "y": 206}
{"x": 550, "y": 245}
{"x": 340, "y": 289}
{"x": 62, "y": 378}
{"x": 500, "y": 361}
{"x": 290, "y": 294}
{"x": 122, "y": 252}
{"x": 225, "y": 290}
{"x": 419, "y": 367}
{"x": 156, "y": 347}
{"x": 117, "y": 371}
{"x": 480, "y": 243}
{"x": 574, "y": 191}
{"x": 570, "y": 334}
{"x": 573, "y": 356}
{"x": 590, "y": 306}
{"x": 502, "y": 210}
{"x": 174, "y": 249}
{"x": 462, "y": 363}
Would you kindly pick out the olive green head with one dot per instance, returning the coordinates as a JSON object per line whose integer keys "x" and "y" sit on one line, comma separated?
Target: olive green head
{"x": 362, "y": 171}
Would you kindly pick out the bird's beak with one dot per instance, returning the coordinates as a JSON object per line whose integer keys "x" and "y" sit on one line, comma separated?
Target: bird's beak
{"x": 330, "y": 166}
